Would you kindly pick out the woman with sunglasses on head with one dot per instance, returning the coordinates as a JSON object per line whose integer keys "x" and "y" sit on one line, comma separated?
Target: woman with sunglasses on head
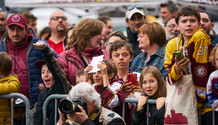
{"x": 151, "y": 40}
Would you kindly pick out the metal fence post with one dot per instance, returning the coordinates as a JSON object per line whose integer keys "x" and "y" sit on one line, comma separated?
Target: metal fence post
{"x": 26, "y": 101}
{"x": 48, "y": 99}
{"x": 127, "y": 100}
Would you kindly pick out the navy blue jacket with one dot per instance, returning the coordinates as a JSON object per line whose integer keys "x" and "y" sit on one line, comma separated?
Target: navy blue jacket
{"x": 214, "y": 39}
{"x": 33, "y": 55}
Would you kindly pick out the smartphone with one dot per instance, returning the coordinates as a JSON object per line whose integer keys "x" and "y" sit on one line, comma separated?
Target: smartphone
{"x": 132, "y": 77}
{"x": 180, "y": 55}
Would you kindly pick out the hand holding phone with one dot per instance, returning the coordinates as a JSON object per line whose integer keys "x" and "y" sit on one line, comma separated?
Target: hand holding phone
{"x": 180, "y": 56}
{"x": 132, "y": 77}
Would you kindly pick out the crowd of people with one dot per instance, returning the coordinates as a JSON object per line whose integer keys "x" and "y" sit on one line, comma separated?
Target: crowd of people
{"x": 58, "y": 61}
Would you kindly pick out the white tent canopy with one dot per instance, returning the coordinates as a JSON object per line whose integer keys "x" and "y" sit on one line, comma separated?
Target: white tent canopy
{"x": 93, "y": 3}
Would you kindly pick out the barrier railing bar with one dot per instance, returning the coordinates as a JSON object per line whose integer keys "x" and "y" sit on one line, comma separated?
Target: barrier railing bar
{"x": 12, "y": 111}
{"x": 127, "y": 100}
{"x": 26, "y": 101}
{"x": 147, "y": 114}
{"x": 134, "y": 100}
{"x": 123, "y": 111}
{"x": 57, "y": 96}
{"x": 55, "y": 111}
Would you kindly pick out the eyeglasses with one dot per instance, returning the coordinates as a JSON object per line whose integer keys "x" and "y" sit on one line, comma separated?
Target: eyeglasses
{"x": 135, "y": 6}
{"x": 59, "y": 17}
{"x": 109, "y": 44}
{"x": 171, "y": 25}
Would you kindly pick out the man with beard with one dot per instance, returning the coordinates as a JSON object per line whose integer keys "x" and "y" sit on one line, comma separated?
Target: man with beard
{"x": 135, "y": 18}
{"x": 2, "y": 24}
{"x": 18, "y": 42}
{"x": 171, "y": 29}
{"x": 58, "y": 25}
{"x": 207, "y": 25}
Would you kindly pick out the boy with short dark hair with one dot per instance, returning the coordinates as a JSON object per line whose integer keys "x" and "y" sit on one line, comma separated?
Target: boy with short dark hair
{"x": 8, "y": 84}
{"x": 121, "y": 54}
{"x": 195, "y": 45}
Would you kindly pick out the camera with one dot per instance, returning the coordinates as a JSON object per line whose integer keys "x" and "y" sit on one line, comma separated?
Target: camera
{"x": 68, "y": 107}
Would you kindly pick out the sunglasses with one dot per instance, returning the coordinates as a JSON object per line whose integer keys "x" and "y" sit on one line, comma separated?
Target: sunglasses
{"x": 59, "y": 17}
{"x": 135, "y": 6}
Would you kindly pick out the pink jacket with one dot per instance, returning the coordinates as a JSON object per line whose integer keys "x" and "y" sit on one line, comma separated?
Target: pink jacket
{"x": 71, "y": 63}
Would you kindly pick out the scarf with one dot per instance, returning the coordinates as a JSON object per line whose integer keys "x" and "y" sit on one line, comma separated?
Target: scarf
{"x": 92, "y": 52}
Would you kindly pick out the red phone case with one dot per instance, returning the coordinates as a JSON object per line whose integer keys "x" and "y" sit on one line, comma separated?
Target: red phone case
{"x": 132, "y": 77}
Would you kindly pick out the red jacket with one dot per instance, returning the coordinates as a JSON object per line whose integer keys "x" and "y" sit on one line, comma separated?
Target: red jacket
{"x": 71, "y": 63}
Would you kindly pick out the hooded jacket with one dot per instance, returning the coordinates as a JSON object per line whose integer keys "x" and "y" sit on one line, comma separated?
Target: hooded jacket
{"x": 32, "y": 55}
{"x": 71, "y": 63}
{"x": 7, "y": 85}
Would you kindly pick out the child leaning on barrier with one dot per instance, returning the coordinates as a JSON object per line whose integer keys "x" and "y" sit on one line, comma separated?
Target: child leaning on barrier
{"x": 8, "y": 84}
{"x": 55, "y": 81}
{"x": 154, "y": 87}
{"x": 121, "y": 55}
{"x": 212, "y": 84}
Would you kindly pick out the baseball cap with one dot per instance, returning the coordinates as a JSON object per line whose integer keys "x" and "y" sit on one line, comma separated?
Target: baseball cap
{"x": 134, "y": 9}
{"x": 39, "y": 63}
{"x": 19, "y": 103}
{"x": 17, "y": 19}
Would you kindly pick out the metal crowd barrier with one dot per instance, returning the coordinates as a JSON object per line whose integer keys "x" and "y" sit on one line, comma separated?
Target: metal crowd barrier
{"x": 127, "y": 100}
{"x": 61, "y": 96}
{"x": 133, "y": 100}
{"x": 51, "y": 97}
{"x": 26, "y": 101}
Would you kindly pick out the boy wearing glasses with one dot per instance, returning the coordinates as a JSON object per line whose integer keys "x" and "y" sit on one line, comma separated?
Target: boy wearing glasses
{"x": 135, "y": 18}
{"x": 58, "y": 25}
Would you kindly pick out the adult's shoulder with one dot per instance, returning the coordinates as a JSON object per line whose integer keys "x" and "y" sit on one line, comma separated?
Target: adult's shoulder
{"x": 201, "y": 34}
{"x": 110, "y": 117}
{"x": 72, "y": 51}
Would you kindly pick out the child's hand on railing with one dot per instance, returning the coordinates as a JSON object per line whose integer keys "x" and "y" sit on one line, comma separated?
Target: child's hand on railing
{"x": 160, "y": 102}
{"x": 141, "y": 101}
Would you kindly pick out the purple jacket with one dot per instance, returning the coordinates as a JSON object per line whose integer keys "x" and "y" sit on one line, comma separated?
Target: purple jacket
{"x": 71, "y": 63}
